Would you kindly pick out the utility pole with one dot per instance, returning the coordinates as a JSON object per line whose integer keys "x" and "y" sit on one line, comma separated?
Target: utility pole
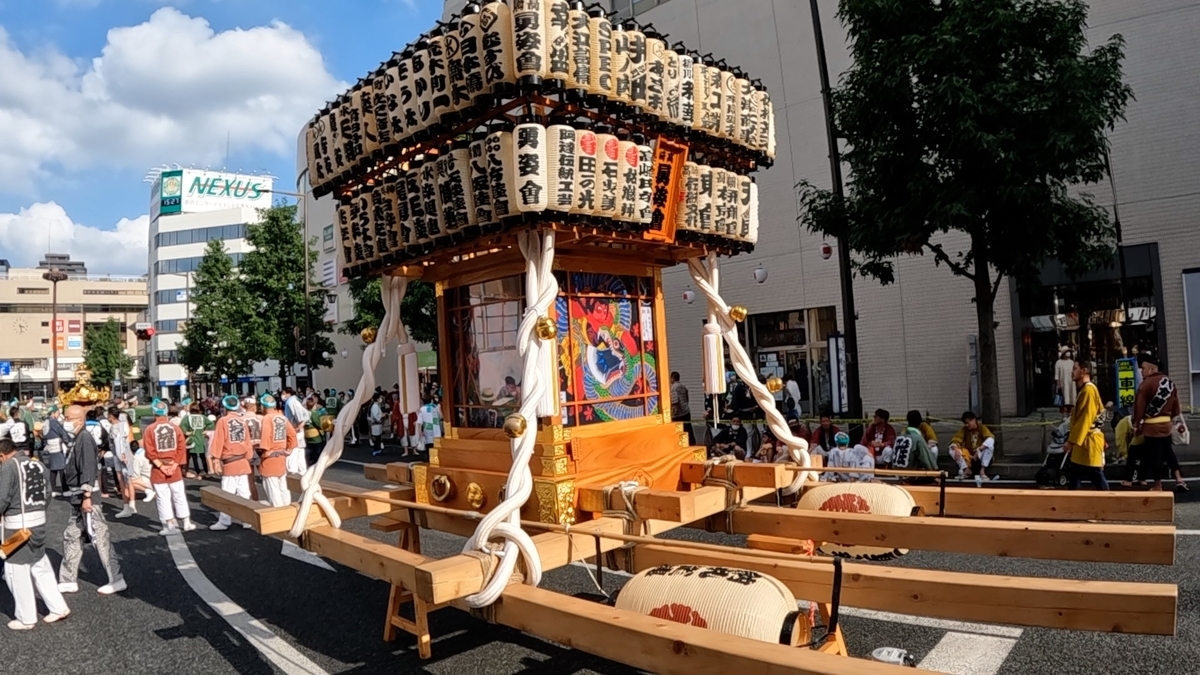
{"x": 307, "y": 350}
{"x": 845, "y": 274}
{"x": 54, "y": 276}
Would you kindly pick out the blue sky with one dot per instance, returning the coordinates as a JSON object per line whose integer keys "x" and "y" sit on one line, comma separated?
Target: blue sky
{"x": 95, "y": 92}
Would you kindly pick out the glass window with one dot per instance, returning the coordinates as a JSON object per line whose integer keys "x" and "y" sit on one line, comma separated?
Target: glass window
{"x": 483, "y": 333}
{"x": 780, "y": 329}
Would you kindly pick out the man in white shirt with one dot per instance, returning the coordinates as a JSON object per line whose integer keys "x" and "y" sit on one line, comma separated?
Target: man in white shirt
{"x": 298, "y": 416}
{"x": 375, "y": 419}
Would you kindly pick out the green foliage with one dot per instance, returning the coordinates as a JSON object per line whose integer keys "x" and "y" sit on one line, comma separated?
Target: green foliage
{"x": 419, "y": 309}
{"x": 273, "y": 273}
{"x": 104, "y": 352}
{"x": 225, "y": 322}
{"x": 975, "y": 119}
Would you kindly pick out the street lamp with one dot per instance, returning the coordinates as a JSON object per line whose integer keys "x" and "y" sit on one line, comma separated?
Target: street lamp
{"x": 307, "y": 289}
{"x": 54, "y": 276}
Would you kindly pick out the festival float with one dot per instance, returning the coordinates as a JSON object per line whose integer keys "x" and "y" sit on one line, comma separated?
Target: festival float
{"x": 541, "y": 164}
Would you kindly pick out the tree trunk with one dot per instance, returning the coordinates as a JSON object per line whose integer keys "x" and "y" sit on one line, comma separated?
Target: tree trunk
{"x": 989, "y": 371}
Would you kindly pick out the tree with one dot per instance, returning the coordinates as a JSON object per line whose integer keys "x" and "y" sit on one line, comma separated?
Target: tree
{"x": 973, "y": 121}
{"x": 225, "y": 322}
{"x": 418, "y": 309}
{"x": 274, "y": 275}
{"x": 104, "y": 352}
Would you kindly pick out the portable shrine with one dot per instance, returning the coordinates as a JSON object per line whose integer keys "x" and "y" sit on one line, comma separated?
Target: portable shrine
{"x": 541, "y": 164}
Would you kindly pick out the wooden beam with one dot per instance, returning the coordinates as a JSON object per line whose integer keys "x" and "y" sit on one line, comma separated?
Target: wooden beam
{"x": 375, "y": 472}
{"x": 744, "y": 474}
{"x": 267, "y": 520}
{"x": 677, "y": 507}
{"x": 369, "y": 556}
{"x": 1048, "y": 504}
{"x": 360, "y": 507}
{"x": 1104, "y": 606}
{"x": 662, "y": 646}
{"x": 399, "y": 473}
{"x": 1093, "y": 542}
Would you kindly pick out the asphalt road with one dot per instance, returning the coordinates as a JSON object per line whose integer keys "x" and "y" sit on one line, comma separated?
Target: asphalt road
{"x": 334, "y": 619}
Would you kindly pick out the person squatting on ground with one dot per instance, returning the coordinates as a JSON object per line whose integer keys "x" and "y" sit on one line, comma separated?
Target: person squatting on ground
{"x": 972, "y": 448}
{"x": 24, "y": 493}
{"x": 86, "y": 514}
{"x": 878, "y": 438}
{"x": 278, "y": 437}
{"x": 1086, "y": 441}
{"x": 137, "y": 477}
{"x": 293, "y": 409}
{"x": 231, "y": 450}
{"x": 166, "y": 449}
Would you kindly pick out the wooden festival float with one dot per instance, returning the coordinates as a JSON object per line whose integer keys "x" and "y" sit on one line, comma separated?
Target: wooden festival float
{"x": 541, "y": 165}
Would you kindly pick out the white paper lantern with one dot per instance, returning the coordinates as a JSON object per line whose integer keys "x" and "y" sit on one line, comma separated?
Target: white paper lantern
{"x": 748, "y": 113}
{"x": 656, "y": 100}
{"x": 382, "y": 218}
{"x": 439, "y": 78}
{"x": 715, "y": 106}
{"x": 645, "y": 181}
{"x": 416, "y": 201}
{"x": 637, "y": 66}
{"x": 423, "y": 95}
{"x": 760, "y": 275}
{"x": 529, "y": 156}
{"x": 403, "y": 118}
{"x": 481, "y": 187}
{"x": 529, "y": 41}
{"x": 350, "y": 121}
{"x": 687, "y": 216}
{"x": 312, "y": 150}
{"x": 607, "y": 174}
{"x": 687, "y": 91}
{"x": 752, "y": 235}
{"x": 586, "y": 165}
{"x": 435, "y": 215}
{"x": 600, "y": 81}
{"x": 768, "y": 113}
{"x": 370, "y": 124}
{"x": 628, "y": 163}
{"x": 362, "y": 228}
{"x": 729, "y": 93}
{"x": 579, "y": 77}
{"x": 457, "y": 76}
{"x": 558, "y": 41}
{"x": 346, "y": 230}
{"x": 499, "y": 154}
{"x": 499, "y": 73}
{"x": 743, "y": 207}
{"x": 399, "y": 189}
{"x": 620, "y": 67}
{"x": 470, "y": 49}
{"x": 689, "y": 296}
{"x": 671, "y": 77}
{"x": 458, "y": 197}
{"x": 560, "y": 166}
{"x": 720, "y": 222}
{"x": 382, "y": 84}
{"x": 704, "y": 199}
{"x": 699, "y": 93}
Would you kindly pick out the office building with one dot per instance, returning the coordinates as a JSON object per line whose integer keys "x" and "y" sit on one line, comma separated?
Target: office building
{"x": 28, "y": 339}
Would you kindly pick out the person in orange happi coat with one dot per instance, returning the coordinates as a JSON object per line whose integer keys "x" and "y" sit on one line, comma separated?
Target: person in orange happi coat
{"x": 231, "y": 449}
{"x": 166, "y": 450}
{"x": 278, "y": 438}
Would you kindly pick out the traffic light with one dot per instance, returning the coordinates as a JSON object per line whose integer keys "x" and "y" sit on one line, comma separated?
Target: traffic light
{"x": 144, "y": 334}
{"x": 301, "y": 347}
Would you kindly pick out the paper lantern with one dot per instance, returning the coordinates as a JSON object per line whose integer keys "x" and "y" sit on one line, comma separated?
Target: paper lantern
{"x": 607, "y": 172}
{"x": 876, "y": 498}
{"x": 687, "y": 216}
{"x": 499, "y": 155}
{"x": 470, "y": 49}
{"x": 743, "y": 207}
{"x": 656, "y": 101}
{"x": 481, "y": 188}
{"x": 314, "y": 154}
{"x": 382, "y": 219}
{"x": 345, "y": 230}
{"x": 768, "y": 114}
{"x": 637, "y": 65}
{"x": 456, "y": 74}
{"x": 620, "y": 66}
{"x": 457, "y": 196}
{"x": 422, "y": 101}
{"x": 403, "y": 117}
{"x": 439, "y": 80}
{"x": 748, "y": 113}
{"x": 752, "y": 233}
{"x": 720, "y": 221}
{"x": 728, "y": 104}
{"x": 704, "y": 194}
{"x": 365, "y": 100}
{"x": 529, "y": 157}
{"x": 499, "y": 73}
{"x": 383, "y": 99}
{"x": 729, "y": 203}
{"x": 670, "y": 61}
{"x": 699, "y": 93}
{"x": 399, "y": 187}
{"x": 600, "y": 80}
{"x": 645, "y": 180}
{"x": 580, "y": 73}
{"x": 435, "y": 218}
{"x": 715, "y": 105}
{"x": 560, "y": 166}
{"x": 586, "y": 160}
{"x": 363, "y": 228}
{"x": 687, "y": 91}
{"x": 627, "y": 181}
{"x": 350, "y": 131}
{"x": 558, "y": 43}
{"x": 529, "y": 42}
{"x": 416, "y": 201}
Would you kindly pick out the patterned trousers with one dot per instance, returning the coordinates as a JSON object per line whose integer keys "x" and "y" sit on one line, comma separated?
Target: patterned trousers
{"x": 68, "y": 573}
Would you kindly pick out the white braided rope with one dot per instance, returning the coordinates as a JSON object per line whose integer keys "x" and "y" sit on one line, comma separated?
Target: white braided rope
{"x": 706, "y": 278}
{"x": 504, "y": 521}
{"x": 392, "y": 289}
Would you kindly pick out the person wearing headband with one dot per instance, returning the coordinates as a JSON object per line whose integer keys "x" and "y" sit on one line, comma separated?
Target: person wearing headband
{"x": 278, "y": 438}
{"x": 166, "y": 448}
{"x": 231, "y": 449}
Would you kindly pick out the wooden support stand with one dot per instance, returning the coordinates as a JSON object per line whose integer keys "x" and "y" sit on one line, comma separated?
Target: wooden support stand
{"x": 418, "y": 626}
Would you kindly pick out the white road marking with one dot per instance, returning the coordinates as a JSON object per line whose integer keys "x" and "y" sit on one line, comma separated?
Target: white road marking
{"x": 284, "y": 657}
{"x": 294, "y": 552}
{"x": 968, "y": 654}
{"x": 350, "y": 461}
{"x": 1187, "y": 533}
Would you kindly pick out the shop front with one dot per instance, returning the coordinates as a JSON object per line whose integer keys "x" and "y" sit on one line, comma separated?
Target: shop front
{"x": 794, "y": 343}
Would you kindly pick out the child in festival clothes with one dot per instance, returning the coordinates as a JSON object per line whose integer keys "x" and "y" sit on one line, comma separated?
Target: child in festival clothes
{"x": 429, "y": 422}
{"x": 278, "y": 437}
{"x": 166, "y": 448}
{"x": 230, "y": 451}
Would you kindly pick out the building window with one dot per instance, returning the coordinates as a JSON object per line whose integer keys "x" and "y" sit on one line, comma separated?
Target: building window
{"x": 72, "y": 309}
{"x": 165, "y": 357}
{"x": 201, "y": 235}
{"x": 45, "y": 324}
{"x": 170, "y": 296}
{"x": 327, "y": 239}
{"x": 170, "y": 326}
{"x": 105, "y": 291}
{"x": 45, "y": 341}
{"x": 33, "y": 291}
{"x": 794, "y": 343}
{"x": 185, "y": 265}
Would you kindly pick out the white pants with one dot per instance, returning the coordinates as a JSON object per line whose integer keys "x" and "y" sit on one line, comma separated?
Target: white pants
{"x": 234, "y": 485}
{"x": 858, "y": 457}
{"x": 296, "y": 463}
{"x": 22, "y": 579}
{"x": 171, "y": 500}
{"x": 277, "y": 490}
{"x": 886, "y": 454}
{"x": 963, "y": 458}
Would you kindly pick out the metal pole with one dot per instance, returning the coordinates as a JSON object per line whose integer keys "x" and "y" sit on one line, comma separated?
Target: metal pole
{"x": 849, "y": 318}
{"x": 54, "y": 276}
{"x": 308, "y": 347}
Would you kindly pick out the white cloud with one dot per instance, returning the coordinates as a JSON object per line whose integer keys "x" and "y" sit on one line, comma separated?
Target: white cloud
{"x": 45, "y": 226}
{"x": 166, "y": 90}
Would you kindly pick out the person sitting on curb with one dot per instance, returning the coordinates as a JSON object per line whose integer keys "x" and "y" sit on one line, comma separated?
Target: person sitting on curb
{"x": 912, "y": 452}
{"x": 972, "y": 449}
{"x": 878, "y": 438}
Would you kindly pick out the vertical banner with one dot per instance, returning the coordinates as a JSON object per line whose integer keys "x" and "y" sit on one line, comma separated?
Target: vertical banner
{"x": 666, "y": 191}
{"x": 1128, "y": 379}
{"x": 840, "y": 394}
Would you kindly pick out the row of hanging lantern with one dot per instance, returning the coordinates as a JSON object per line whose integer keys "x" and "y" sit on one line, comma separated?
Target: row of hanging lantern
{"x": 503, "y": 175}
{"x": 503, "y": 50}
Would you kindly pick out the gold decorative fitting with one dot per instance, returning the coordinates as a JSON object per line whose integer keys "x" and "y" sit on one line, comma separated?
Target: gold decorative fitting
{"x": 441, "y": 488}
{"x": 434, "y": 460}
{"x": 555, "y": 466}
{"x": 700, "y": 454}
{"x": 475, "y": 496}
{"x": 515, "y": 425}
{"x": 369, "y": 334}
{"x": 84, "y": 393}
{"x": 738, "y": 313}
{"x": 546, "y": 329}
{"x": 774, "y": 384}
{"x": 419, "y": 474}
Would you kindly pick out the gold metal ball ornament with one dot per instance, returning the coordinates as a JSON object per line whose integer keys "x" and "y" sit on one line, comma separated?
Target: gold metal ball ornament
{"x": 368, "y": 334}
{"x": 515, "y": 425}
{"x": 546, "y": 329}
{"x": 774, "y": 384}
{"x": 738, "y": 313}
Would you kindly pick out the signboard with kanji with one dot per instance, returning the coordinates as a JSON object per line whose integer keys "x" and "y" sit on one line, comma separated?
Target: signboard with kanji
{"x": 666, "y": 190}
{"x": 1128, "y": 379}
